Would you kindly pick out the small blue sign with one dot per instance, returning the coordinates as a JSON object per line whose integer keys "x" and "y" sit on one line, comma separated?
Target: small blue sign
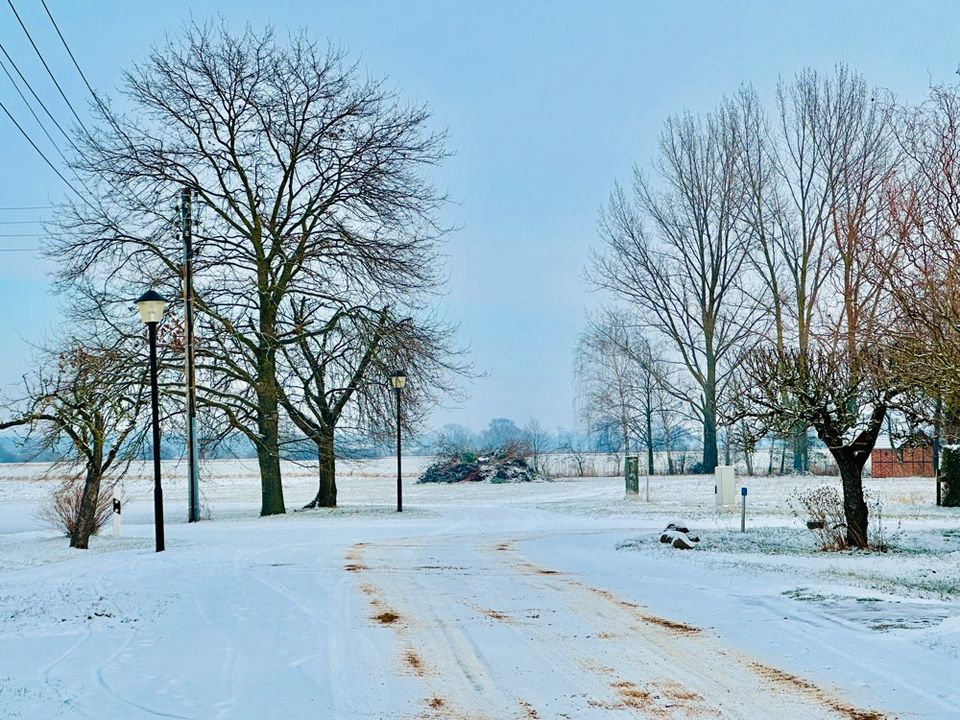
{"x": 743, "y": 491}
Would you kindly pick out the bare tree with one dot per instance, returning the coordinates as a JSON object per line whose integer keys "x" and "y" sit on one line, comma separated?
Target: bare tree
{"x": 314, "y": 187}
{"x": 844, "y": 398}
{"x": 623, "y": 382}
{"x": 574, "y": 447}
{"x": 89, "y": 398}
{"x": 677, "y": 249}
{"x": 539, "y": 442}
{"x": 810, "y": 177}
{"x": 607, "y": 378}
{"x": 920, "y": 262}
{"x": 848, "y": 378}
{"x": 453, "y": 440}
{"x": 500, "y": 433}
{"x": 336, "y": 376}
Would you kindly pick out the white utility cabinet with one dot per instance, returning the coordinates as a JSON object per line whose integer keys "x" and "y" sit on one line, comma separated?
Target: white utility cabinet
{"x": 725, "y": 488}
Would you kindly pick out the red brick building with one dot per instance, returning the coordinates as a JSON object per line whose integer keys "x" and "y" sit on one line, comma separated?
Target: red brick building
{"x": 907, "y": 462}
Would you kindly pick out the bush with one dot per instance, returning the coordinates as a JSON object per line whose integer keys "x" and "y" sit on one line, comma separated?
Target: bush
{"x": 63, "y": 510}
{"x": 950, "y": 476}
{"x": 822, "y": 510}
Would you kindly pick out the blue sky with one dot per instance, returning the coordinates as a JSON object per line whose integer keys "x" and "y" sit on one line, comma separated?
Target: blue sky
{"x": 546, "y": 104}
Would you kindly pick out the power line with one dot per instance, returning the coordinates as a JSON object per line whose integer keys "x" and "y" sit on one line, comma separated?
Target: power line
{"x": 49, "y": 114}
{"x": 19, "y": 250}
{"x": 40, "y": 152}
{"x": 28, "y": 207}
{"x": 30, "y": 108}
{"x": 20, "y": 222}
{"x": 21, "y": 235}
{"x": 37, "y": 97}
{"x": 62, "y": 94}
{"x": 47, "y": 67}
{"x": 104, "y": 109}
{"x": 75, "y": 63}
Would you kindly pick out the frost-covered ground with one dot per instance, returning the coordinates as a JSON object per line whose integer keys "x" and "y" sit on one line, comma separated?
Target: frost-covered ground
{"x": 546, "y": 600}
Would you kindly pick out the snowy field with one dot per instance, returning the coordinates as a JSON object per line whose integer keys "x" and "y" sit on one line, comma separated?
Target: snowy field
{"x": 545, "y": 600}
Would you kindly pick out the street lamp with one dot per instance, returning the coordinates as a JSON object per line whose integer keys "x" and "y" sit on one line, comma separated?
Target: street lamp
{"x": 151, "y": 305}
{"x": 398, "y": 380}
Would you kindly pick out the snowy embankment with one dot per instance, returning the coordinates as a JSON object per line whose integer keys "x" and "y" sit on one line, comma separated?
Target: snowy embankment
{"x": 544, "y": 600}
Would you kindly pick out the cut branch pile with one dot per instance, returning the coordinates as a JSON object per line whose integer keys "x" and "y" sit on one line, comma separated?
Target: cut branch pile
{"x": 497, "y": 467}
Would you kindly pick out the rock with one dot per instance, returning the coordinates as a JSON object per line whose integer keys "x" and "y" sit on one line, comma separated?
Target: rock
{"x": 678, "y": 535}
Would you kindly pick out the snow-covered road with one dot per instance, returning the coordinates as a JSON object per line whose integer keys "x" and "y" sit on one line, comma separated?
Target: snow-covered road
{"x": 458, "y": 608}
{"x": 493, "y": 635}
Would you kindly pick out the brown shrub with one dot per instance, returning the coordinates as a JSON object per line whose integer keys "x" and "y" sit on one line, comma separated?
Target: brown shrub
{"x": 63, "y": 508}
{"x": 822, "y": 510}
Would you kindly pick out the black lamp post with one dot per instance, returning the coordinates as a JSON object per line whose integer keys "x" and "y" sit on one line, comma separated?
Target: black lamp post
{"x": 151, "y": 305}
{"x": 398, "y": 380}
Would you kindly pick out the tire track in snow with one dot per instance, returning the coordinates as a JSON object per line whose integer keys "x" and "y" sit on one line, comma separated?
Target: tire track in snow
{"x": 776, "y": 680}
{"x": 457, "y": 651}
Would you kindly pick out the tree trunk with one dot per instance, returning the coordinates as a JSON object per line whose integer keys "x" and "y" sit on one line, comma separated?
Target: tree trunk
{"x": 854, "y": 507}
{"x": 710, "y": 454}
{"x": 86, "y": 524}
{"x": 801, "y": 450}
{"x": 271, "y": 485}
{"x": 668, "y": 446}
{"x": 268, "y": 447}
{"x": 327, "y": 471}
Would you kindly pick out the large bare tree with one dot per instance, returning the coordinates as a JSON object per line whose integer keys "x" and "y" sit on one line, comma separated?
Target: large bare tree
{"x": 825, "y": 155}
{"x": 313, "y": 183}
{"x": 676, "y": 248}
{"x": 849, "y": 374}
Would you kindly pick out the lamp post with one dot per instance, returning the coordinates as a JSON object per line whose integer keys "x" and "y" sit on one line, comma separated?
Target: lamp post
{"x": 151, "y": 305}
{"x": 398, "y": 380}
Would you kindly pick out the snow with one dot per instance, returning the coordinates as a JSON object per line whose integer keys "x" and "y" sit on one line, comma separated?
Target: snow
{"x": 549, "y": 600}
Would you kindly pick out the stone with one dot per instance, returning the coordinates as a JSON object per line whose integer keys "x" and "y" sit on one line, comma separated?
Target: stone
{"x": 677, "y": 535}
